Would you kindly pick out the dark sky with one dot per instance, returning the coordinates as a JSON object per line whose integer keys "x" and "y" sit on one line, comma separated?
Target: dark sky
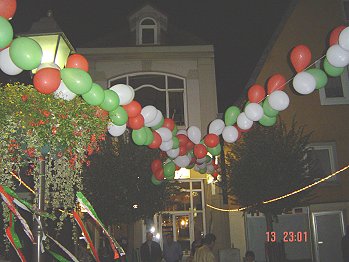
{"x": 238, "y": 29}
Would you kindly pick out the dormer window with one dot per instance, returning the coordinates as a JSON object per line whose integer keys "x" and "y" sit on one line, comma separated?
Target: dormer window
{"x": 148, "y": 32}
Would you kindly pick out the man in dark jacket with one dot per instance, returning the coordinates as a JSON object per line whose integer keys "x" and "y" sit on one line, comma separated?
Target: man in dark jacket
{"x": 150, "y": 250}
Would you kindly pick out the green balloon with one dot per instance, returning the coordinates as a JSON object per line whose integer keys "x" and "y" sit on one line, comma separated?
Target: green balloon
{"x": 95, "y": 96}
{"x": 320, "y": 77}
{"x": 169, "y": 170}
{"x": 174, "y": 131}
{"x": 215, "y": 151}
{"x": 139, "y": 136}
{"x": 155, "y": 181}
{"x": 208, "y": 159}
{"x": 268, "y": 110}
{"x": 111, "y": 100}
{"x": 267, "y": 121}
{"x": 118, "y": 116}
{"x": 25, "y": 53}
{"x": 78, "y": 81}
{"x": 175, "y": 142}
{"x": 231, "y": 115}
{"x": 6, "y": 32}
{"x": 191, "y": 153}
{"x": 150, "y": 136}
{"x": 190, "y": 166}
{"x": 203, "y": 170}
{"x": 159, "y": 125}
{"x": 332, "y": 70}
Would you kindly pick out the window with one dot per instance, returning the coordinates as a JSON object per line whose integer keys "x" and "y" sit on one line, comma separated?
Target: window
{"x": 147, "y": 32}
{"x": 165, "y": 92}
{"x": 346, "y": 10}
{"x": 336, "y": 92}
{"x": 325, "y": 157}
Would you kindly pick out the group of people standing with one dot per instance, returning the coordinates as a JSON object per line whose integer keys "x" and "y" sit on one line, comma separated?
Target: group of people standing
{"x": 201, "y": 250}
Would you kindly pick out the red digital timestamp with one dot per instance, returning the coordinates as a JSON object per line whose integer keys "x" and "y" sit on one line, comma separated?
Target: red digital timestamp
{"x": 288, "y": 236}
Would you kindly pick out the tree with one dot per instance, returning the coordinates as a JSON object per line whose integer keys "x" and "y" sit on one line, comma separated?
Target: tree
{"x": 118, "y": 183}
{"x": 269, "y": 162}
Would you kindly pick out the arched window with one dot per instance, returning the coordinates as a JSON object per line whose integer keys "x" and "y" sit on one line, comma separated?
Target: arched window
{"x": 164, "y": 91}
{"x": 148, "y": 32}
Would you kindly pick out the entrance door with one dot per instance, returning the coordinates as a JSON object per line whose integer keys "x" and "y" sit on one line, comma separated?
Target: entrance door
{"x": 328, "y": 232}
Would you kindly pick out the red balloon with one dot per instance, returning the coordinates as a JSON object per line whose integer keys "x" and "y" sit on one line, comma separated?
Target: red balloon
{"x": 276, "y": 82}
{"x": 190, "y": 145}
{"x": 177, "y": 168}
{"x": 335, "y": 35}
{"x": 211, "y": 140}
{"x": 183, "y": 139}
{"x": 159, "y": 174}
{"x": 215, "y": 175}
{"x": 156, "y": 141}
{"x": 8, "y": 8}
{"x": 256, "y": 93}
{"x": 136, "y": 122}
{"x": 242, "y": 130}
{"x": 133, "y": 109}
{"x": 156, "y": 165}
{"x": 47, "y": 80}
{"x": 77, "y": 61}
{"x": 300, "y": 57}
{"x": 200, "y": 151}
{"x": 182, "y": 150}
{"x": 169, "y": 123}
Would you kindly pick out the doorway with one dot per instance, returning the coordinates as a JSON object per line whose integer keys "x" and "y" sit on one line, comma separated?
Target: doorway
{"x": 328, "y": 233}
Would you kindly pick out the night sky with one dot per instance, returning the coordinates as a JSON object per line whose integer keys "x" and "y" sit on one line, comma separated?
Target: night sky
{"x": 238, "y": 29}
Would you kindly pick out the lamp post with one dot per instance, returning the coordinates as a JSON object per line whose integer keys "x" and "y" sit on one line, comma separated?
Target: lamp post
{"x": 56, "y": 48}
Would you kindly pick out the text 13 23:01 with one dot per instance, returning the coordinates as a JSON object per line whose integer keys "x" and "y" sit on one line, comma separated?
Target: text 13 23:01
{"x": 288, "y": 236}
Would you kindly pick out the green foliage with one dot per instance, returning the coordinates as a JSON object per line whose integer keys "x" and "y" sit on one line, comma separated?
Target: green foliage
{"x": 267, "y": 163}
{"x": 119, "y": 177}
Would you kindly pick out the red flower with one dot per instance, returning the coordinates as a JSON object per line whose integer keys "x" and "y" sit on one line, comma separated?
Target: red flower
{"x": 24, "y": 98}
{"x": 88, "y": 163}
{"x": 54, "y": 130}
{"x": 93, "y": 138}
{"x": 46, "y": 113}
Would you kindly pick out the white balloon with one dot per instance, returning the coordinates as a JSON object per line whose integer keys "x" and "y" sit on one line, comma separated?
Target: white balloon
{"x": 182, "y": 132}
{"x": 201, "y": 160}
{"x": 125, "y": 93}
{"x": 304, "y": 83}
{"x": 173, "y": 153}
{"x": 344, "y": 39}
{"x": 337, "y": 56}
{"x": 166, "y": 145}
{"x": 254, "y": 112}
{"x": 216, "y": 127}
{"x": 182, "y": 161}
{"x": 115, "y": 130}
{"x": 279, "y": 100}
{"x": 48, "y": 65}
{"x": 149, "y": 113}
{"x": 210, "y": 169}
{"x": 156, "y": 121}
{"x": 6, "y": 64}
{"x": 243, "y": 122}
{"x": 194, "y": 134}
{"x": 64, "y": 93}
{"x": 230, "y": 134}
{"x": 165, "y": 133}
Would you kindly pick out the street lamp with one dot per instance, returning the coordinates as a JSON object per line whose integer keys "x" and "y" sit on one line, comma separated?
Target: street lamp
{"x": 54, "y": 44}
{"x": 55, "y": 48}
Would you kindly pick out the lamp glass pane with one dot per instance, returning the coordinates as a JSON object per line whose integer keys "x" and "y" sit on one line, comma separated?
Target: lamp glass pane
{"x": 63, "y": 52}
{"x": 48, "y": 45}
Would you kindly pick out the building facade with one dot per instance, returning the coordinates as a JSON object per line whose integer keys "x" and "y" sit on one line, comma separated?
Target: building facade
{"x": 320, "y": 225}
{"x": 175, "y": 72}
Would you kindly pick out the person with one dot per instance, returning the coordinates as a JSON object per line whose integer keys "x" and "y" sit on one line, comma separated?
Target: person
{"x": 345, "y": 245}
{"x": 172, "y": 250}
{"x": 249, "y": 256}
{"x": 204, "y": 253}
{"x": 150, "y": 250}
{"x": 196, "y": 243}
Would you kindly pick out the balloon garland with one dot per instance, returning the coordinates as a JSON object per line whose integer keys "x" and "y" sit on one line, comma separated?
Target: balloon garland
{"x": 184, "y": 148}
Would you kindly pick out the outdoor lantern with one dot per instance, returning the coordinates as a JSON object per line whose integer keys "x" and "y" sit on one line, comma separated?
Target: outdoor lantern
{"x": 54, "y": 44}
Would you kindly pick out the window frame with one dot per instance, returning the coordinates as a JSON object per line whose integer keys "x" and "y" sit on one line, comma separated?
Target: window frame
{"x": 332, "y": 152}
{"x": 141, "y": 27}
{"x": 166, "y": 90}
{"x": 345, "y": 87}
